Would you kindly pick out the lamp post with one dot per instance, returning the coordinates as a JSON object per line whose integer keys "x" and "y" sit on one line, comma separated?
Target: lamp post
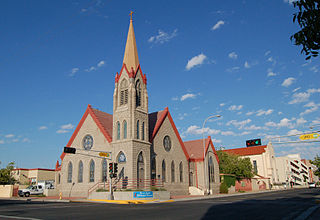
{"x": 204, "y": 148}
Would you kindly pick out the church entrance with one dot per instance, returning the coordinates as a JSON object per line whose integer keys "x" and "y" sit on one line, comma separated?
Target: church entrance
{"x": 140, "y": 171}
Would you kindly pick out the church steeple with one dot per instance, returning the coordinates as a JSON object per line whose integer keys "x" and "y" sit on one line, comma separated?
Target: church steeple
{"x": 131, "y": 53}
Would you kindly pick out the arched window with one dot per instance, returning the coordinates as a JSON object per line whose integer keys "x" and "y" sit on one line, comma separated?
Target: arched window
{"x": 91, "y": 174}
{"x": 104, "y": 169}
{"x": 211, "y": 170}
{"x": 124, "y": 129}
{"x": 142, "y": 130}
{"x": 140, "y": 170}
{"x": 80, "y": 172}
{"x": 163, "y": 171}
{"x": 172, "y": 172}
{"x": 59, "y": 178}
{"x": 118, "y": 130}
{"x": 69, "y": 172}
{"x": 138, "y": 133}
{"x": 138, "y": 93}
{"x": 124, "y": 92}
{"x": 181, "y": 172}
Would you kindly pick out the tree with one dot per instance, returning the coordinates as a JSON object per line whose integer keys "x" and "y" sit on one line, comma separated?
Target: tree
{"x": 308, "y": 19}
{"x": 233, "y": 164}
{"x": 316, "y": 162}
{"x": 6, "y": 177}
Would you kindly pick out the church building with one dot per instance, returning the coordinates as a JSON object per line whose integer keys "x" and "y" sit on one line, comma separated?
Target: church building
{"x": 147, "y": 146}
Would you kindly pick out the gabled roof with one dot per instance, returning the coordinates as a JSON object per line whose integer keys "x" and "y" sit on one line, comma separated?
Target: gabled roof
{"x": 155, "y": 121}
{"x": 195, "y": 149}
{"x": 246, "y": 151}
{"x": 103, "y": 121}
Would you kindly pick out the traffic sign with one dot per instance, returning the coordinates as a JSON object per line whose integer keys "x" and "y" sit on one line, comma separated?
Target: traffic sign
{"x": 69, "y": 150}
{"x": 309, "y": 136}
{"x": 105, "y": 154}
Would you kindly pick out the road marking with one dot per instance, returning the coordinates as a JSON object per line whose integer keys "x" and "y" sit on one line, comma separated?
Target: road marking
{"x": 16, "y": 217}
{"x": 28, "y": 207}
{"x": 304, "y": 215}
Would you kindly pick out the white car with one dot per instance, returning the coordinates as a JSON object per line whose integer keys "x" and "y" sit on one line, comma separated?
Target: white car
{"x": 312, "y": 185}
{"x": 31, "y": 190}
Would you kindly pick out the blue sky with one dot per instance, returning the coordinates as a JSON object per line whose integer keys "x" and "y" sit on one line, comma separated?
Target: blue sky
{"x": 202, "y": 58}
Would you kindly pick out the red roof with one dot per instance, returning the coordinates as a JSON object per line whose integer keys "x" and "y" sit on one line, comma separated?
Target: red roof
{"x": 195, "y": 149}
{"x": 105, "y": 121}
{"x": 246, "y": 151}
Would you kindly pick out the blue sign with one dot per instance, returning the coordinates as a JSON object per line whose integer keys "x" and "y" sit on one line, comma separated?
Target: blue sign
{"x": 143, "y": 194}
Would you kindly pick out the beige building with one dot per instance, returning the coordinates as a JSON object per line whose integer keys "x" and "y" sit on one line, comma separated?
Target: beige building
{"x": 33, "y": 176}
{"x": 147, "y": 146}
{"x": 292, "y": 170}
{"x": 262, "y": 159}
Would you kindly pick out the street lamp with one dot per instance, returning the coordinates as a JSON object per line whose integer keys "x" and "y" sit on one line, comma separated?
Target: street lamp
{"x": 204, "y": 148}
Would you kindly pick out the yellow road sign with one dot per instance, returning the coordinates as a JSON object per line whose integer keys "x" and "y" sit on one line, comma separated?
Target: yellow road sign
{"x": 104, "y": 154}
{"x": 309, "y": 136}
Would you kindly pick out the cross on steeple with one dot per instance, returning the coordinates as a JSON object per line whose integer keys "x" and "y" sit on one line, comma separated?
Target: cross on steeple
{"x": 131, "y": 12}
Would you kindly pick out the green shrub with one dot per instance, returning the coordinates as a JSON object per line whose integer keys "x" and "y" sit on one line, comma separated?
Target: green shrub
{"x": 102, "y": 190}
{"x": 229, "y": 180}
{"x": 223, "y": 188}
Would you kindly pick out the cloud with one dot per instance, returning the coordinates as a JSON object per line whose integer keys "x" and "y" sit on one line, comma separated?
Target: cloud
{"x": 9, "y": 136}
{"x": 296, "y": 89}
{"x": 228, "y": 133}
{"x": 289, "y": 1}
{"x": 187, "y": 96}
{"x": 217, "y": 25}
{"x": 101, "y": 63}
{"x": 303, "y": 96}
{"x": 233, "y": 55}
{"x": 195, "y": 61}
{"x": 314, "y": 69}
{"x": 270, "y": 74}
{"x": 285, "y": 122}
{"x": 43, "y": 128}
{"x": 294, "y": 132}
{"x": 74, "y": 71}
{"x": 174, "y": 98}
{"x": 235, "y": 107}
{"x": 233, "y": 69}
{"x": 162, "y": 37}
{"x": 193, "y": 129}
{"x": 263, "y": 112}
{"x": 239, "y": 124}
{"x": 287, "y": 82}
{"x": 1, "y": 141}
{"x": 25, "y": 140}
{"x": 222, "y": 104}
{"x": 216, "y": 141}
{"x": 247, "y": 65}
{"x": 96, "y": 67}
{"x": 301, "y": 121}
{"x": 312, "y": 107}
{"x": 65, "y": 128}
{"x": 267, "y": 53}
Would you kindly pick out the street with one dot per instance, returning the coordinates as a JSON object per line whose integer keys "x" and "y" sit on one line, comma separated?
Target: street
{"x": 270, "y": 205}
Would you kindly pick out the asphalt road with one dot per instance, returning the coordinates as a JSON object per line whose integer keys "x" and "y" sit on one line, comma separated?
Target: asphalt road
{"x": 288, "y": 204}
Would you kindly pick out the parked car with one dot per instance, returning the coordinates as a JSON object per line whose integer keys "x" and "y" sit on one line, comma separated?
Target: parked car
{"x": 312, "y": 185}
{"x": 31, "y": 190}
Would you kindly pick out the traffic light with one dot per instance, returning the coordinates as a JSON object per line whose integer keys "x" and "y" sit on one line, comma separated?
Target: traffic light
{"x": 69, "y": 150}
{"x": 253, "y": 142}
{"x": 115, "y": 167}
{"x": 110, "y": 168}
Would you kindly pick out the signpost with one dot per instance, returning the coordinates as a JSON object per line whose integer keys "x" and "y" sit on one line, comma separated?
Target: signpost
{"x": 309, "y": 136}
{"x": 105, "y": 154}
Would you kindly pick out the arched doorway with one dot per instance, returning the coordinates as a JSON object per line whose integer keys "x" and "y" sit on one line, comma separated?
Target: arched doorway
{"x": 140, "y": 171}
{"x": 210, "y": 172}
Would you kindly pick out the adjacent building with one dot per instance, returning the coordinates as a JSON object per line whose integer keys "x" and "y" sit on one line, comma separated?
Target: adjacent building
{"x": 292, "y": 170}
{"x": 33, "y": 176}
{"x": 262, "y": 159}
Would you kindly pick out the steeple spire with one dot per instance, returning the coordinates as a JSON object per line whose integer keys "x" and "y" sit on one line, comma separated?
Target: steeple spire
{"x": 131, "y": 54}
